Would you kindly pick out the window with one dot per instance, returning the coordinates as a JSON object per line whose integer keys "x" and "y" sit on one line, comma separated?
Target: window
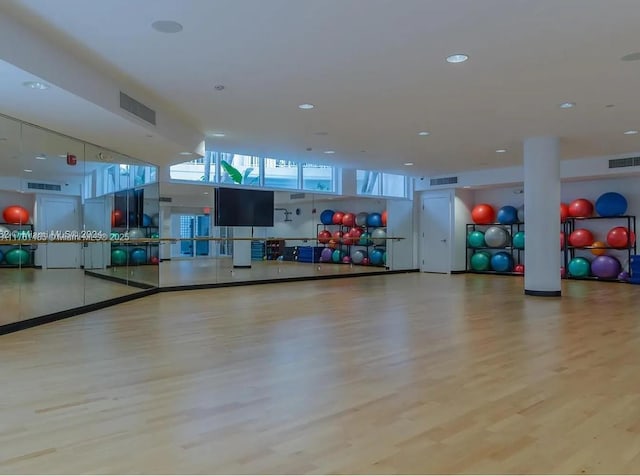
{"x": 381, "y": 184}
{"x": 317, "y": 177}
{"x": 368, "y": 182}
{"x": 394, "y": 185}
{"x": 198, "y": 170}
{"x": 238, "y": 169}
{"x": 280, "y": 173}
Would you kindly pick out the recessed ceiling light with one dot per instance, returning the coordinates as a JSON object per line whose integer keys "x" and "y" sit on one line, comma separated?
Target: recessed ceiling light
{"x": 457, "y": 58}
{"x": 28, "y": 170}
{"x": 631, "y": 57}
{"x": 218, "y": 134}
{"x": 630, "y": 133}
{"x": 423, "y": 133}
{"x": 219, "y": 87}
{"x": 36, "y": 85}
{"x": 206, "y": 193}
{"x": 467, "y": 186}
{"x": 44, "y": 157}
{"x": 567, "y": 105}
{"x": 501, "y": 151}
{"x": 408, "y": 163}
{"x": 329, "y": 151}
{"x": 306, "y": 106}
{"x": 610, "y": 105}
{"x": 185, "y": 153}
{"x": 167, "y": 26}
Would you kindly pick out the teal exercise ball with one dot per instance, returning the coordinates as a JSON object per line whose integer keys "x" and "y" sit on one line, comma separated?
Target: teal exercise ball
{"x": 337, "y": 256}
{"x": 17, "y": 257}
{"x": 481, "y": 261}
{"x": 119, "y": 257}
{"x": 476, "y": 239}
{"x": 579, "y": 267}
{"x": 518, "y": 240}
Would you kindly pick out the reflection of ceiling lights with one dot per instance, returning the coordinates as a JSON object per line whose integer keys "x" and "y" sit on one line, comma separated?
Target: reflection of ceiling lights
{"x": 218, "y": 134}
{"x": 36, "y": 85}
{"x": 630, "y": 133}
{"x": 567, "y": 105}
{"x": 501, "y": 151}
{"x": 457, "y": 58}
{"x": 329, "y": 151}
{"x": 44, "y": 157}
{"x": 423, "y": 133}
{"x": 306, "y": 106}
{"x": 28, "y": 170}
{"x": 408, "y": 164}
{"x": 206, "y": 193}
{"x": 167, "y": 26}
{"x": 185, "y": 153}
{"x": 467, "y": 186}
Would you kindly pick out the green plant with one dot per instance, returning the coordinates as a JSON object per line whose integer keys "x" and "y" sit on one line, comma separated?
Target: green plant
{"x": 234, "y": 173}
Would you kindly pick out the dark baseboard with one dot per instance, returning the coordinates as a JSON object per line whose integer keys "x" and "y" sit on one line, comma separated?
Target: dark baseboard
{"x": 458, "y": 272}
{"x": 246, "y": 266}
{"x": 115, "y": 279}
{"x": 76, "y": 311}
{"x": 530, "y": 292}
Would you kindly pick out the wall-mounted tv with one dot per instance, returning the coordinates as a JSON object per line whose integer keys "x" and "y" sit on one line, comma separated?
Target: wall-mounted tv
{"x": 241, "y": 207}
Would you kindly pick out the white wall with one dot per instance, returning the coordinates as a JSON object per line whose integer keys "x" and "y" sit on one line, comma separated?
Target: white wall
{"x": 400, "y": 224}
{"x": 463, "y": 202}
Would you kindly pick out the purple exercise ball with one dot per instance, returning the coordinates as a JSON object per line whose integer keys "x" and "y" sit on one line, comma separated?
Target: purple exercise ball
{"x": 326, "y": 254}
{"x": 606, "y": 267}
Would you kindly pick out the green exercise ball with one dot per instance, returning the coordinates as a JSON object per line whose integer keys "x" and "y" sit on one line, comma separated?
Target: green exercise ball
{"x": 119, "y": 257}
{"x": 481, "y": 261}
{"x": 476, "y": 239}
{"x": 337, "y": 256}
{"x": 518, "y": 240}
{"x": 579, "y": 267}
{"x": 17, "y": 257}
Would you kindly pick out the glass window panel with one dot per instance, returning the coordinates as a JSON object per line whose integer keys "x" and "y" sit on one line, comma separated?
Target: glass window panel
{"x": 201, "y": 169}
{"x": 317, "y": 177}
{"x": 368, "y": 182}
{"x": 394, "y": 185}
{"x": 239, "y": 169}
{"x": 280, "y": 173}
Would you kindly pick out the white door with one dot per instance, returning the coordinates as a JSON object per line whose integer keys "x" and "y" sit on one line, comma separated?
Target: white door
{"x": 61, "y": 214}
{"x": 435, "y": 234}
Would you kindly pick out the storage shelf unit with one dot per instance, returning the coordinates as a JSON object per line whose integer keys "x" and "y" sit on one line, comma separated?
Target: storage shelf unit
{"x": 152, "y": 249}
{"x": 28, "y": 248}
{"x": 349, "y": 247}
{"x": 516, "y": 253}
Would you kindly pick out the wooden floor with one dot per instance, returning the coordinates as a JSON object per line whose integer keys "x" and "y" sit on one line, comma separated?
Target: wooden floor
{"x": 406, "y": 373}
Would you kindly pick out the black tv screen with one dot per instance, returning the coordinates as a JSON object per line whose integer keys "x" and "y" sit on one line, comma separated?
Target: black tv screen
{"x": 240, "y": 207}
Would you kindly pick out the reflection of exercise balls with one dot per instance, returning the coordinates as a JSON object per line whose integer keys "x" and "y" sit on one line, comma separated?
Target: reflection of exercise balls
{"x": 518, "y": 240}
{"x": 138, "y": 256}
{"x": 611, "y": 204}
{"x": 374, "y": 219}
{"x": 521, "y": 213}
{"x": 324, "y": 236}
{"x": 384, "y": 258}
{"x": 137, "y": 234}
{"x": 17, "y": 257}
{"x": 357, "y": 256}
{"x": 376, "y": 257}
{"x": 337, "y": 218}
{"x": 379, "y": 236}
{"x": 326, "y": 217}
{"x": 325, "y": 255}
{"x": 384, "y": 218}
{"x": 154, "y": 260}
{"x": 502, "y": 262}
{"x": 481, "y": 261}
{"x": 606, "y": 267}
{"x": 119, "y": 257}
{"x": 579, "y": 267}
{"x": 361, "y": 219}
{"x": 155, "y": 219}
{"x": 365, "y": 239}
{"x": 337, "y": 256}
{"x": 155, "y": 236}
{"x": 117, "y": 218}
{"x": 1, "y": 256}
{"x": 508, "y": 215}
{"x": 5, "y": 233}
{"x": 146, "y": 220}
{"x": 16, "y": 215}
{"x": 496, "y": 237}
{"x": 349, "y": 219}
{"x": 476, "y": 239}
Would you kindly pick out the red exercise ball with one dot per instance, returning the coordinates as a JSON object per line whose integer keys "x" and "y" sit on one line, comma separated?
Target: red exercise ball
{"x": 483, "y": 214}
{"x": 15, "y": 215}
{"x": 348, "y": 239}
{"x": 356, "y": 232}
{"x": 337, "y": 218}
{"x": 384, "y": 218}
{"x": 349, "y": 219}
{"x": 581, "y": 208}
{"x": 154, "y": 260}
{"x": 562, "y": 240}
{"x": 563, "y": 272}
{"x": 117, "y": 218}
{"x": 337, "y": 236}
{"x": 581, "y": 238}
{"x": 324, "y": 236}
{"x": 564, "y": 212}
{"x": 620, "y": 237}
{"x": 519, "y": 268}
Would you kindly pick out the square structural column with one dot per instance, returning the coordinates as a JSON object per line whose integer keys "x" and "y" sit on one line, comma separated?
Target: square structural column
{"x": 542, "y": 255}
{"x": 242, "y": 248}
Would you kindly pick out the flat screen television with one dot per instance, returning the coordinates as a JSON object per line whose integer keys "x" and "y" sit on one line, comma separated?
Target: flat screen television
{"x": 241, "y": 207}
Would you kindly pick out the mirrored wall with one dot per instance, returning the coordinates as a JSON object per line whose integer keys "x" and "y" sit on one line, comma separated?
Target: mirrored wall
{"x": 79, "y": 224}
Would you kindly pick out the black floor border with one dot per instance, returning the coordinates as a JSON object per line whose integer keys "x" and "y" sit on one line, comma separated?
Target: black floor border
{"x": 115, "y": 279}
{"x": 531, "y": 292}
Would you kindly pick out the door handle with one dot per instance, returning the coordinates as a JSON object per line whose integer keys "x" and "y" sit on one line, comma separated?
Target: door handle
{"x": 444, "y": 240}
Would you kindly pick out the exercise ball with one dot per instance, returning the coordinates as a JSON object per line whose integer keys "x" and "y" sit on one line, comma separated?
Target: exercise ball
{"x": 496, "y": 237}
{"x": 384, "y": 258}
{"x": 481, "y": 261}
{"x": 519, "y": 268}
{"x": 366, "y": 261}
{"x": 476, "y": 239}
{"x": 374, "y": 219}
{"x": 376, "y": 257}
{"x": 17, "y": 257}
{"x": 508, "y": 215}
{"x": 581, "y": 238}
{"x": 16, "y": 215}
{"x": 117, "y": 218}
{"x": 346, "y": 259}
{"x": 361, "y": 219}
{"x": 599, "y": 248}
{"x": 518, "y": 240}
{"x": 337, "y": 236}
{"x": 606, "y": 267}
{"x": 563, "y": 272}
{"x": 155, "y": 236}
{"x": 146, "y": 220}
{"x": 155, "y": 219}
{"x": 333, "y": 244}
{"x": 119, "y": 257}
{"x": 356, "y": 232}
{"x": 337, "y": 218}
{"x": 138, "y": 256}
{"x": 384, "y": 218}
{"x": 502, "y": 262}
{"x": 564, "y": 212}
{"x": 337, "y": 256}
{"x": 521, "y": 213}
{"x": 620, "y": 237}
{"x": 562, "y": 240}
{"x": 357, "y": 256}
{"x": 326, "y": 217}
{"x": 154, "y": 260}
{"x": 349, "y": 219}
{"x": 624, "y": 276}
{"x": 1, "y": 256}
{"x": 347, "y": 239}
{"x": 324, "y": 236}
{"x": 5, "y": 233}
{"x": 137, "y": 234}
{"x": 581, "y": 207}
{"x": 611, "y": 204}
{"x": 579, "y": 267}
{"x": 483, "y": 214}
{"x": 379, "y": 236}
{"x": 365, "y": 239}
{"x": 325, "y": 255}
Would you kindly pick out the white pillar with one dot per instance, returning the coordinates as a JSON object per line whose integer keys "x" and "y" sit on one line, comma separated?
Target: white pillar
{"x": 242, "y": 248}
{"x": 542, "y": 216}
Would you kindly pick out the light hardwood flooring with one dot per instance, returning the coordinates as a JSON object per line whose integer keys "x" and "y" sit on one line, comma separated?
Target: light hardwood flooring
{"x": 408, "y": 373}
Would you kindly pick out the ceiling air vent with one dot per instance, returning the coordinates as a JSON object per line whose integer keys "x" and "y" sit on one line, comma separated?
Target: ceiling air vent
{"x": 137, "y": 108}
{"x": 44, "y": 186}
{"x": 628, "y": 162}
{"x": 165, "y": 199}
{"x": 295, "y": 196}
{"x": 443, "y": 181}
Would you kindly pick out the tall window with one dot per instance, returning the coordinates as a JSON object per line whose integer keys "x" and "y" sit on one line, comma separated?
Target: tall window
{"x": 239, "y": 169}
{"x": 201, "y": 169}
{"x": 317, "y": 177}
{"x": 280, "y": 173}
{"x": 368, "y": 182}
{"x": 381, "y": 184}
{"x": 394, "y": 185}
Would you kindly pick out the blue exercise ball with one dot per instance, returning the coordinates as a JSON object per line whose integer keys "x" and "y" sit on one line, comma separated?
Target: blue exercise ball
{"x": 146, "y": 220}
{"x": 1, "y": 256}
{"x": 611, "y": 204}
{"x": 376, "y": 257}
{"x": 508, "y": 215}
{"x": 374, "y": 219}
{"x": 326, "y": 217}
{"x": 502, "y": 262}
{"x": 138, "y": 256}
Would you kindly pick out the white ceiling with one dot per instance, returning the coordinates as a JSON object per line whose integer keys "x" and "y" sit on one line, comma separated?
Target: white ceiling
{"x": 376, "y": 71}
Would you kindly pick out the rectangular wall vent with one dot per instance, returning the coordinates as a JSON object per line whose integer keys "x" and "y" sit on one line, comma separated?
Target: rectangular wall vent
{"x": 137, "y": 108}
{"x": 295, "y": 196}
{"x": 44, "y": 186}
{"x": 443, "y": 181}
{"x": 165, "y": 199}
{"x": 627, "y": 162}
